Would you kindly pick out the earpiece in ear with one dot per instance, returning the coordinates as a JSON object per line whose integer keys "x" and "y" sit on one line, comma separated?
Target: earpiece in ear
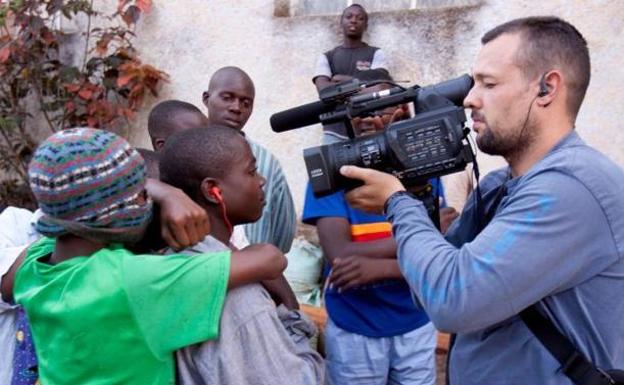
{"x": 543, "y": 90}
{"x": 216, "y": 192}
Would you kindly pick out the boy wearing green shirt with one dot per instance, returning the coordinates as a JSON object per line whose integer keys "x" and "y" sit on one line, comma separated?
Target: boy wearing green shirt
{"x": 98, "y": 313}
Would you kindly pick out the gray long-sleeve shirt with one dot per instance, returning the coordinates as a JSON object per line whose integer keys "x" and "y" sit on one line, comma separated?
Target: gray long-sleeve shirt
{"x": 557, "y": 238}
{"x": 257, "y": 345}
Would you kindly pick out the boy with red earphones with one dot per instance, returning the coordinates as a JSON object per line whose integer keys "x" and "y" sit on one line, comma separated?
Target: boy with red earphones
{"x": 216, "y": 168}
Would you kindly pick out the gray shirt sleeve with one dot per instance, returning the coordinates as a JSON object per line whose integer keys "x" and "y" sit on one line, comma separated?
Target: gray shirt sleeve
{"x": 548, "y": 236}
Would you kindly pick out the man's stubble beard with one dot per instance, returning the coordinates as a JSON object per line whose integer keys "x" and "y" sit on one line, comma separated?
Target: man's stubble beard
{"x": 512, "y": 145}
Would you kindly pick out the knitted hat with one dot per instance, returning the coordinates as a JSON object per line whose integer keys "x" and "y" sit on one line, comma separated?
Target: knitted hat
{"x": 89, "y": 182}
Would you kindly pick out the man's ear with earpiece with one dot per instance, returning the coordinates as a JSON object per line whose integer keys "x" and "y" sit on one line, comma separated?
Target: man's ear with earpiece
{"x": 211, "y": 191}
{"x": 549, "y": 87}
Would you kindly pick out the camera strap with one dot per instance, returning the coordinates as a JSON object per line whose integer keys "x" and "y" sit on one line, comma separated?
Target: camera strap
{"x": 573, "y": 363}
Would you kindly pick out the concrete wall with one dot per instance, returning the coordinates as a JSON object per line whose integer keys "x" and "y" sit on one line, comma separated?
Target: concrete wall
{"x": 190, "y": 39}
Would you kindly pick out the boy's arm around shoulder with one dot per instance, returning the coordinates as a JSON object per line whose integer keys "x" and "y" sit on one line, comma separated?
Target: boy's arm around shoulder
{"x": 256, "y": 263}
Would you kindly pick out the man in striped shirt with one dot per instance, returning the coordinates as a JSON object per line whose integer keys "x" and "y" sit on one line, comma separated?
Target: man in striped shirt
{"x": 229, "y": 100}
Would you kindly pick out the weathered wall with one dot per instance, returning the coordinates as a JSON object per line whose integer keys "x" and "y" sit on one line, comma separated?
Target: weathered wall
{"x": 190, "y": 39}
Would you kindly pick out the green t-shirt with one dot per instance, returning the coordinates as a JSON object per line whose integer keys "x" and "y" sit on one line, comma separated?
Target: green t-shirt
{"x": 116, "y": 317}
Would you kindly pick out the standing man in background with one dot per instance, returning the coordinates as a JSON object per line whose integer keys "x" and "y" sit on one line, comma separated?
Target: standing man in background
{"x": 345, "y": 61}
{"x": 229, "y": 100}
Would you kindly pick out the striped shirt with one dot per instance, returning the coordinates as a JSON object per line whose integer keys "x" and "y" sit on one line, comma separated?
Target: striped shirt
{"x": 279, "y": 221}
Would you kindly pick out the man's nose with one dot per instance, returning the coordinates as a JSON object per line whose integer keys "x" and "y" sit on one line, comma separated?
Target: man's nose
{"x": 234, "y": 106}
{"x": 471, "y": 99}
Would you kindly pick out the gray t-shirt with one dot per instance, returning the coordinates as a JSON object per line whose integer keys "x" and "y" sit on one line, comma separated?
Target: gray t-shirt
{"x": 557, "y": 239}
{"x": 258, "y": 344}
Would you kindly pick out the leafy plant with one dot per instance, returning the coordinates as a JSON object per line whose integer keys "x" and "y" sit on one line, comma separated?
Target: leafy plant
{"x": 40, "y": 81}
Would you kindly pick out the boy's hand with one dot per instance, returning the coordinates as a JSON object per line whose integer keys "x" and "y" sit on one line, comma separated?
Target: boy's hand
{"x": 281, "y": 292}
{"x": 183, "y": 222}
{"x": 355, "y": 271}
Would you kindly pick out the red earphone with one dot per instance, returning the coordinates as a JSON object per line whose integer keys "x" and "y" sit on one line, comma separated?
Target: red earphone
{"x": 216, "y": 193}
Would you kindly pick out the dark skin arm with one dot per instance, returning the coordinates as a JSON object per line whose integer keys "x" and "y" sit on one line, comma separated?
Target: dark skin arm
{"x": 353, "y": 271}
{"x": 322, "y": 82}
{"x": 256, "y": 263}
{"x": 355, "y": 263}
{"x": 281, "y": 292}
{"x": 279, "y": 289}
{"x": 335, "y": 237}
{"x": 183, "y": 222}
{"x": 251, "y": 264}
{"x": 359, "y": 263}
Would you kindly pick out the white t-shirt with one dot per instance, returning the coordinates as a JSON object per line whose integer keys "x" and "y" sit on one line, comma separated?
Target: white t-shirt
{"x": 16, "y": 233}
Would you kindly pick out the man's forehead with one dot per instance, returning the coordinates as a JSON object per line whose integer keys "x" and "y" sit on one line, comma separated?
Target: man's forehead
{"x": 234, "y": 83}
{"x": 498, "y": 56}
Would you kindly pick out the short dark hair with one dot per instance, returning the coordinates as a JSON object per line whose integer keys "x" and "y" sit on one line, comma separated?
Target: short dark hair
{"x": 360, "y": 6}
{"x": 192, "y": 155}
{"x": 550, "y": 42}
{"x": 162, "y": 117}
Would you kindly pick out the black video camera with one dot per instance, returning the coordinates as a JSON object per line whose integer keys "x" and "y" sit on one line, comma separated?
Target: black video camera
{"x": 431, "y": 144}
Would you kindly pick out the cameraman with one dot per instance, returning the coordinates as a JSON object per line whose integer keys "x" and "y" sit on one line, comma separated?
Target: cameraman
{"x": 555, "y": 235}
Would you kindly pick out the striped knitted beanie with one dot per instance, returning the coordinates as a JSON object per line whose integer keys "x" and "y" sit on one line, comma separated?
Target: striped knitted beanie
{"x": 89, "y": 183}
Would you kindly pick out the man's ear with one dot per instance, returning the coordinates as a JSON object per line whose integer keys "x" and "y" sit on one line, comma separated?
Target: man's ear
{"x": 159, "y": 144}
{"x": 205, "y": 96}
{"x": 207, "y": 190}
{"x": 553, "y": 81}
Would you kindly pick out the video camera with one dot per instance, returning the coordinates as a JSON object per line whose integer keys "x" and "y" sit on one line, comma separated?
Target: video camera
{"x": 431, "y": 144}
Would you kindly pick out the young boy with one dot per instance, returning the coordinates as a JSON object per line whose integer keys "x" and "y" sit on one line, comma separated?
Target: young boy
{"x": 216, "y": 168}
{"x": 374, "y": 334}
{"x": 169, "y": 117}
{"x": 88, "y": 299}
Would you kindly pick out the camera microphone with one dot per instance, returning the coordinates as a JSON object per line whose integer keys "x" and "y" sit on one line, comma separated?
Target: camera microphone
{"x": 301, "y": 116}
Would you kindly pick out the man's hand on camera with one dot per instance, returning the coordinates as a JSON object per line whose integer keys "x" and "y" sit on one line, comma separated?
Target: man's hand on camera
{"x": 378, "y": 186}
